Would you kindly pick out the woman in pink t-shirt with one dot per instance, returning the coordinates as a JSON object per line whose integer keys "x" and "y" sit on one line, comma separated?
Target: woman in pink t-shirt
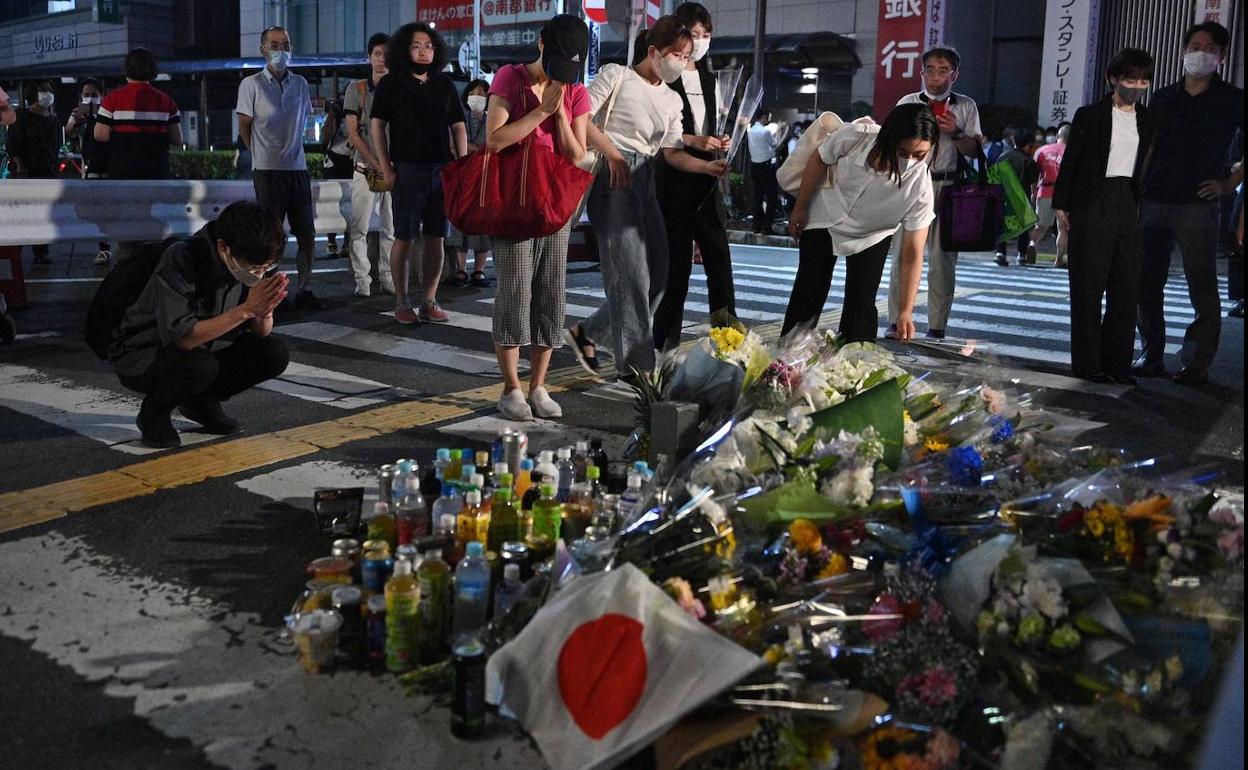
{"x": 542, "y": 98}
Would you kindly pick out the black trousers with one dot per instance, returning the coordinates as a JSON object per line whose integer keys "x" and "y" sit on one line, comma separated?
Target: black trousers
{"x": 766, "y": 195}
{"x": 859, "y": 318}
{"x": 1104, "y": 263}
{"x": 177, "y": 376}
{"x": 686, "y": 226}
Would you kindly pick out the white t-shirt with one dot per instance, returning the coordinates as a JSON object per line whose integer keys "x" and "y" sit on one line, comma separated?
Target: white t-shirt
{"x": 645, "y": 118}
{"x": 1124, "y": 143}
{"x": 965, "y": 115}
{"x": 692, "y": 81}
{"x": 863, "y": 206}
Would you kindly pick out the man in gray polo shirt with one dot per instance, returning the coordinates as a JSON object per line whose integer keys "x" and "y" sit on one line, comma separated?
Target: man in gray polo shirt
{"x": 960, "y": 134}
{"x": 273, "y": 108}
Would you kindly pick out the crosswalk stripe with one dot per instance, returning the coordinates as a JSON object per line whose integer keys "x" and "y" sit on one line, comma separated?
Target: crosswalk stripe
{"x": 570, "y": 310}
{"x": 697, "y": 307}
{"x": 101, "y": 415}
{"x": 1060, "y": 310}
{"x": 338, "y": 389}
{"x": 393, "y": 346}
{"x": 1024, "y": 332}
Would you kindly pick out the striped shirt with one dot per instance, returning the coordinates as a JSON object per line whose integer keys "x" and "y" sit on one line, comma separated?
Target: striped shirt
{"x": 139, "y": 116}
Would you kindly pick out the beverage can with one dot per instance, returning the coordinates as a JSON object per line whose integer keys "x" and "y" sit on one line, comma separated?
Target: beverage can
{"x": 376, "y": 565}
{"x": 385, "y": 483}
{"x": 514, "y": 552}
{"x": 316, "y": 638}
{"x": 348, "y": 601}
{"x": 468, "y": 699}
{"x": 515, "y": 443}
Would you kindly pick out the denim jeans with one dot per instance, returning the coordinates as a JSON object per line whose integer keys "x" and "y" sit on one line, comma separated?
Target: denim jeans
{"x": 632, "y": 244}
{"x": 1194, "y": 227}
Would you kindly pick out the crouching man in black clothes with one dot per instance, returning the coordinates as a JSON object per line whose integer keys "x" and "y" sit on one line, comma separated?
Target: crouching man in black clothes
{"x": 199, "y": 332}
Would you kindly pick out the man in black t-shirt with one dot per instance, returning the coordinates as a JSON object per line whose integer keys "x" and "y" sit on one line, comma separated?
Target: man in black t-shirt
{"x": 419, "y": 109}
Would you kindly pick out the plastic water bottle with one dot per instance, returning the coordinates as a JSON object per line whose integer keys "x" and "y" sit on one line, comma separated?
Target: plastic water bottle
{"x": 567, "y": 473}
{"x": 581, "y": 459}
{"x": 508, "y": 591}
{"x": 546, "y": 466}
{"x": 412, "y": 516}
{"x": 449, "y": 503}
{"x": 466, "y": 476}
{"x": 524, "y": 479}
{"x": 472, "y": 593}
{"x": 642, "y": 468}
{"x": 631, "y": 499}
{"x": 440, "y": 462}
{"x": 471, "y": 524}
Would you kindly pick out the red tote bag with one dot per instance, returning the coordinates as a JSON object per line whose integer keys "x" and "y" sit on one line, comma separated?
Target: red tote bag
{"x": 524, "y": 191}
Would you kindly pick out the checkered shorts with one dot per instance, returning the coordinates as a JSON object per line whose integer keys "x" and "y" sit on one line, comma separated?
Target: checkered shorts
{"x": 530, "y": 303}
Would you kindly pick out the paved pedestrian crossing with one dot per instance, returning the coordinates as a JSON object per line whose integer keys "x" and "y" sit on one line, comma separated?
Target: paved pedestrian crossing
{"x": 1009, "y": 319}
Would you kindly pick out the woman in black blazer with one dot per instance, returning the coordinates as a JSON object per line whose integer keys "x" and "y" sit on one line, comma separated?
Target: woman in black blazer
{"x": 1097, "y": 197}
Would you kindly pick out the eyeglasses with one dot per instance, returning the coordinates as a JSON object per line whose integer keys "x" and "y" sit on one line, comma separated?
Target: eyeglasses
{"x": 421, "y": 47}
{"x": 937, "y": 71}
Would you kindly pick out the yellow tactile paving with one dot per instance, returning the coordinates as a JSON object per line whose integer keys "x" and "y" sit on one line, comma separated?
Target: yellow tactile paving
{"x": 223, "y": 458}
{"x": 21, "y": 509}
{"x": 327, "y": 435}
{"x": 90, "y": 491}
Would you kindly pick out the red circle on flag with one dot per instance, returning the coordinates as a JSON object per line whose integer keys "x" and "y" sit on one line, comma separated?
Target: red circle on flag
{"x": 602, "y": 673}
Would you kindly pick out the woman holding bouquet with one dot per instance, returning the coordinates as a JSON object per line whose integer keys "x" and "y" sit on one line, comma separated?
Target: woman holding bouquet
{"x": 881, "y": 182}
{"x": 680, "y": 190}
{"x": 644, "y": 121}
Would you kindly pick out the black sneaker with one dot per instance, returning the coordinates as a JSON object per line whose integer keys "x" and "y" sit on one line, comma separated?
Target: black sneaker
{"x": 157, "y": 428}
{"x": 480, "y": 281}
{"x": 306, "y": 300}
{"x": 935, "y": 334}
{"x": 211, "y": 416}
{"x": 1001, "y": 259}
{"x": 1146, "y": 368}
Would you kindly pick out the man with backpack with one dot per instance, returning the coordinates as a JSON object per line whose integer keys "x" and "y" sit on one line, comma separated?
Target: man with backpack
{"x": 162, "y": 316}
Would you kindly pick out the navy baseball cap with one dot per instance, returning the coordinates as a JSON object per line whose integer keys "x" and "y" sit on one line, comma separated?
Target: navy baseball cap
{"x": 565, "y": 43}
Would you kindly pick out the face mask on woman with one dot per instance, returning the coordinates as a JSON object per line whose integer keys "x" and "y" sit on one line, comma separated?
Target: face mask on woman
{"x": 46, "y": 98}
{"x": 668, "y": 69}
{"x": 476, "y": 103}
{"x": 1130, "y": 95}
{"x": 91, "y": 100}
{"x": 700, "y": 47}
{"x": 1199, "y": 64}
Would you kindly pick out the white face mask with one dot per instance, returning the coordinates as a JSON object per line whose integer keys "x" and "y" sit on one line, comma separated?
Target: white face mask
{"x": 240, "y": 273}
{"x": 905, "y": 164}
{"x": 669, "y": 69}
{"x": 279, "y": 60}
{"x": 46, "y": 98}
{"x": 700, "y": 47}
{"x": 940, "y": 97}
{"x": 92, "y": 100}
{"x": 1050, "y": 138}
{"x": 476, "y": 103}
{"x": 1199, "y": 64}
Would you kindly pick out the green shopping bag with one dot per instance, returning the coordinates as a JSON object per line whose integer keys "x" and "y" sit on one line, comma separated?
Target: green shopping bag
{"x": 1019, "y": 215}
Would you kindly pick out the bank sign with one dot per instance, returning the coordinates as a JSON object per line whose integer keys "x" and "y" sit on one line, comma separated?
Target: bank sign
{"x": 50, "y": 42}
{"x": 907, "y": 29}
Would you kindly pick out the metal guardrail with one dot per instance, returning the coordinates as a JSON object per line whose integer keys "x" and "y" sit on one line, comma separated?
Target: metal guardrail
{"x": 36, "y": 211}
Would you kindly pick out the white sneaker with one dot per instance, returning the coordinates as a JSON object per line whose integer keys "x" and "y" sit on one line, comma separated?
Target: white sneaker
{"x": 103, "y": 258}
{"x": 543, "y": 405}
{"x": 513, "y": 407}
{"x": 363, "y": 289}
{"x": 387, "y": 285}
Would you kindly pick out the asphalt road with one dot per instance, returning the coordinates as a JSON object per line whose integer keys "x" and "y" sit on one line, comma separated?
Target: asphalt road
{"x": 144, "y": 631}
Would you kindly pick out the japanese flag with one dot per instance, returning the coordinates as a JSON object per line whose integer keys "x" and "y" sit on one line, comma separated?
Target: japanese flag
{"x": 608, "y": 666}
